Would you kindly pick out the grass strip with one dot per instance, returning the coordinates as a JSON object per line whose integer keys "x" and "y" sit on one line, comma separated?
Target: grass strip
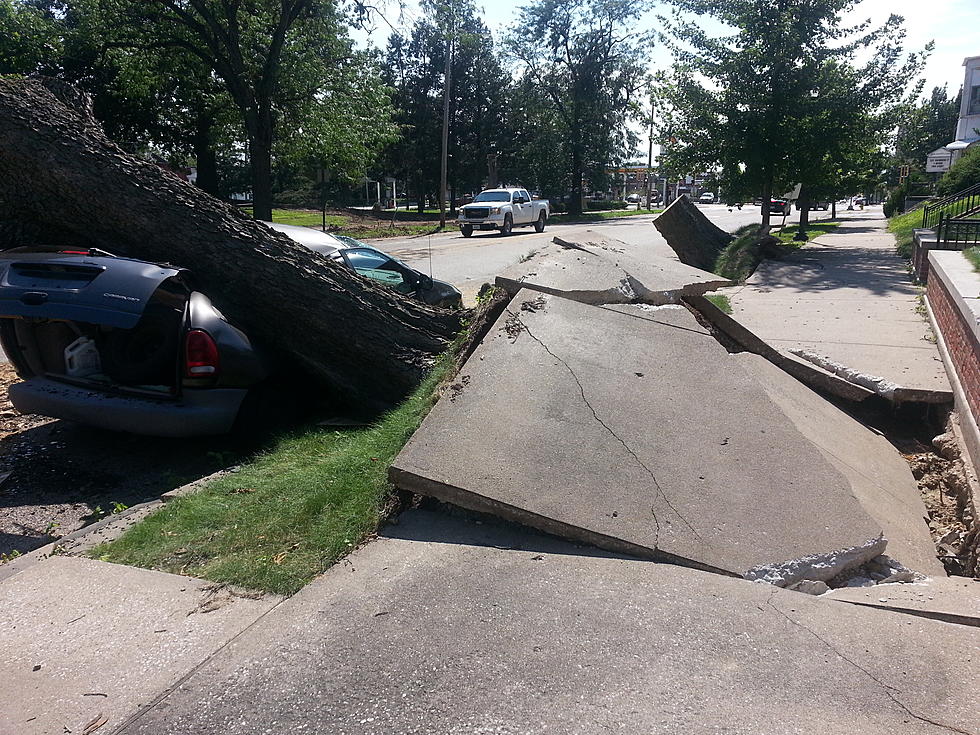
{"x": 568, "y": 219}
{"x": 721, "y": 301}
{"x": 973, "y": 255}
{"x": 815, "y": 229}
{"x": 286, "y": 515}
{"x": 901, "y": 226}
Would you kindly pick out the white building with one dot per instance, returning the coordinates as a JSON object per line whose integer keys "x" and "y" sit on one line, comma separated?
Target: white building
{"x": 968, "y": 126}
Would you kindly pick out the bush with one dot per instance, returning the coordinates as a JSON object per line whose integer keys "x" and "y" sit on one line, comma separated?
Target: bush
{"x": 963, "y": 174}
{"x": 297, "y": 199}
{"x": 895, "y": 204}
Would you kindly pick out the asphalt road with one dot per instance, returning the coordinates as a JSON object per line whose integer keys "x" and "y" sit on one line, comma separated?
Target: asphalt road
{"x": 468, "y": 263}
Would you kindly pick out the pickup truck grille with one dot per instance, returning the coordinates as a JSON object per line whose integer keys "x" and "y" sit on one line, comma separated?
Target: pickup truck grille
{"x": 477, "y": 212}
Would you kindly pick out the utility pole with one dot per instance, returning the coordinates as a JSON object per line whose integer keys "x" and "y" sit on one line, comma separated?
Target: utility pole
{"x": 650, "y": 161}
{"x": 445, "y": 116}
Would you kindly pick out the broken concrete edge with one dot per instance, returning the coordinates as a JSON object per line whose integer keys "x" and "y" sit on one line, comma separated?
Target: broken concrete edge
{"x": 413, "y": 483}
{"x": 630, "y": 291}
{"x": 875, "y": 383}
{"x": 817, "y": 567}
{"x": 813, "y": 376}
{"x": 110, "y": 528}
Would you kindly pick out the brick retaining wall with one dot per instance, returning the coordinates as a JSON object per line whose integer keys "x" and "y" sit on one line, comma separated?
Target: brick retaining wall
{"x": 960, "y": 339}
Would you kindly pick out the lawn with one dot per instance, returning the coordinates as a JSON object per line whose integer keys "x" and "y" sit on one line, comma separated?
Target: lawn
{"x": 973, "y": 255}
{"x": 361, "y": 226}
{"x": 813, "y": 230}
{"x": 902, "y": 225}
{"x": 288, "y": 514}
{"x": 600, "y": 216}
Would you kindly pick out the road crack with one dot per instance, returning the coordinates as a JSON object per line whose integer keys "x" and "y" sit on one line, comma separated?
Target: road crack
{"x": 516, "y": 320}
{"x": 887, "y": 688}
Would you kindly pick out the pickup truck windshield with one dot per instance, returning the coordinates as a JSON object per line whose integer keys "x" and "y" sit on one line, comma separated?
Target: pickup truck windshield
{"x": 493, "y": 196}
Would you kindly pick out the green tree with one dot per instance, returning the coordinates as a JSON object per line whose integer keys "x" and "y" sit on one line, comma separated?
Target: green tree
{"x": 416, "y": 70}
{"x": 962, "y": 174}
{"x": 30, "y": 39}
{"x": 280, "y": 61}
{"x": 586, "y": 60}
{"x": 926, "y": 126}
{"x": 783, "y": 101}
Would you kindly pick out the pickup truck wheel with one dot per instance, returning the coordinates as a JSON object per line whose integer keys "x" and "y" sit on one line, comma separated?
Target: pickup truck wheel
{"x": 539, "y": 223}
{"x": 507, "y": 226}
{"x": 467, "y": 230}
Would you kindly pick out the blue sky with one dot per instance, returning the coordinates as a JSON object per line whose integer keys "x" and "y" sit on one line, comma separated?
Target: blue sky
{"x": 954, "y": 25}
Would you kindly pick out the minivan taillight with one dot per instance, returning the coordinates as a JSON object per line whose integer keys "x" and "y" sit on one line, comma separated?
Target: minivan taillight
{"x": 200, "y": 355}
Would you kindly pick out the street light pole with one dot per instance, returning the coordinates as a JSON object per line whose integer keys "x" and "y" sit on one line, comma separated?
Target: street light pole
{"x": 650, "y": 160}
{"x": 443, "y": 176}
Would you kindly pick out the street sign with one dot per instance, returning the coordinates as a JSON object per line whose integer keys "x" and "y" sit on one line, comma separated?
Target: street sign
{"x": 938, "y": 162}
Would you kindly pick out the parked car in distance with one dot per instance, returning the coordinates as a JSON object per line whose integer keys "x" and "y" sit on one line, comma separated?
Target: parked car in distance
{"x": 815, "y": 205}
{"x": 779, "y": 206}
{"x": 128, "y": 345}
{"x": 503, "y": 210}
{"x": 633, "y": 199}
{"x": 707, "y": 198}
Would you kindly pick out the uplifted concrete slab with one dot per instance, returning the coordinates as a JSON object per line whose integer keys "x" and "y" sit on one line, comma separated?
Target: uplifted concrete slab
{"x": 950, "y": 599}
{"x": 846, "y": 303}
{"x": 596, "y": 269}
{"x": 450, "y": 628}
{"x": 879, "y": 476}
{"x": 634, "y": 434}
{"x": 82, "y": 640}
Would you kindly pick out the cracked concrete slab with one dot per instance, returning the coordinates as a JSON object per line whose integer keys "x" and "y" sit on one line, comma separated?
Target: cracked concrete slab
{"x": 638, "y": 435}
{"x": 950, "y": 599}
{"x": 81, "y": 640}
{"x": 447, "y": 627}
{"x": 879, "y": 476}
{"x": 596, "y": 269}
{"x": 846, "y": 302}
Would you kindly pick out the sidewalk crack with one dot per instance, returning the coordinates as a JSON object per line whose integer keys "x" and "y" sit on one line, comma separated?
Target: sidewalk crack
{"x": 660, "y": 491}
{"x": 887, "y": 688}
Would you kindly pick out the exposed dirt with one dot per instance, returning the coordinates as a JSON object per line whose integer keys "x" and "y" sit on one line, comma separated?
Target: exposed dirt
{"x": 946, "y": 494}
{"x": 56, "y": 477}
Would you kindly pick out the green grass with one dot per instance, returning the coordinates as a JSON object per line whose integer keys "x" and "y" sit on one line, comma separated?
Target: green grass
{"x": 721, "y": 301}
{"x": 814, "y": 229}
{"x": 739, "y": 259}
{"x": 901, "y": 225}
{"x": 364, "y": 227}
{"x": 288, "y": 514}
{"x": 599, "y": 216}
{"x": 973, "y": 255}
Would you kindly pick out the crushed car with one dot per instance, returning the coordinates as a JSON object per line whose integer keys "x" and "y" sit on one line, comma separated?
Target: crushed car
{"x": 128, "y": 345}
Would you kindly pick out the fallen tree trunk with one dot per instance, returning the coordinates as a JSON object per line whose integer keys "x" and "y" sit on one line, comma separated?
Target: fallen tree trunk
{"x": 59, "y": 173}
{"x": 695, "y": 239}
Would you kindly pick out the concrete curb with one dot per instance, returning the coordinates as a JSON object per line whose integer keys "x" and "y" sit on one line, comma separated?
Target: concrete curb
{"x": 108, "y": 529}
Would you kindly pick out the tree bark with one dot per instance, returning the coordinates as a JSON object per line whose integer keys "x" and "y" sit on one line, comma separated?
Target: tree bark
{"x": 207, "y": 164}
{"x": 575, "y": 204}
{"x": 766, "y": 198}
{"x": 804, "y": 202}
{"x": 366, "y": 342}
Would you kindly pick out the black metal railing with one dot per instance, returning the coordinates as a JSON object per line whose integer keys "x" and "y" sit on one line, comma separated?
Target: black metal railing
{"x": 962, "y": 204}
{"x": 956, "y": 233}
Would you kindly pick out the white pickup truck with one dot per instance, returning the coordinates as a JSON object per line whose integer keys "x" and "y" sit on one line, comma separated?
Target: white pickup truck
{"x": 503, "y": 210}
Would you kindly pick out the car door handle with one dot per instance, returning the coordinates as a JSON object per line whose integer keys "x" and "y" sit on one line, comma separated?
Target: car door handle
{"x": 33, "y": 298}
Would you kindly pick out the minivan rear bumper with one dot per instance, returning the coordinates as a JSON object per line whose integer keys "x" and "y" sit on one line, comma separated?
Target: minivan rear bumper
{"x": 196, "y": 413}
